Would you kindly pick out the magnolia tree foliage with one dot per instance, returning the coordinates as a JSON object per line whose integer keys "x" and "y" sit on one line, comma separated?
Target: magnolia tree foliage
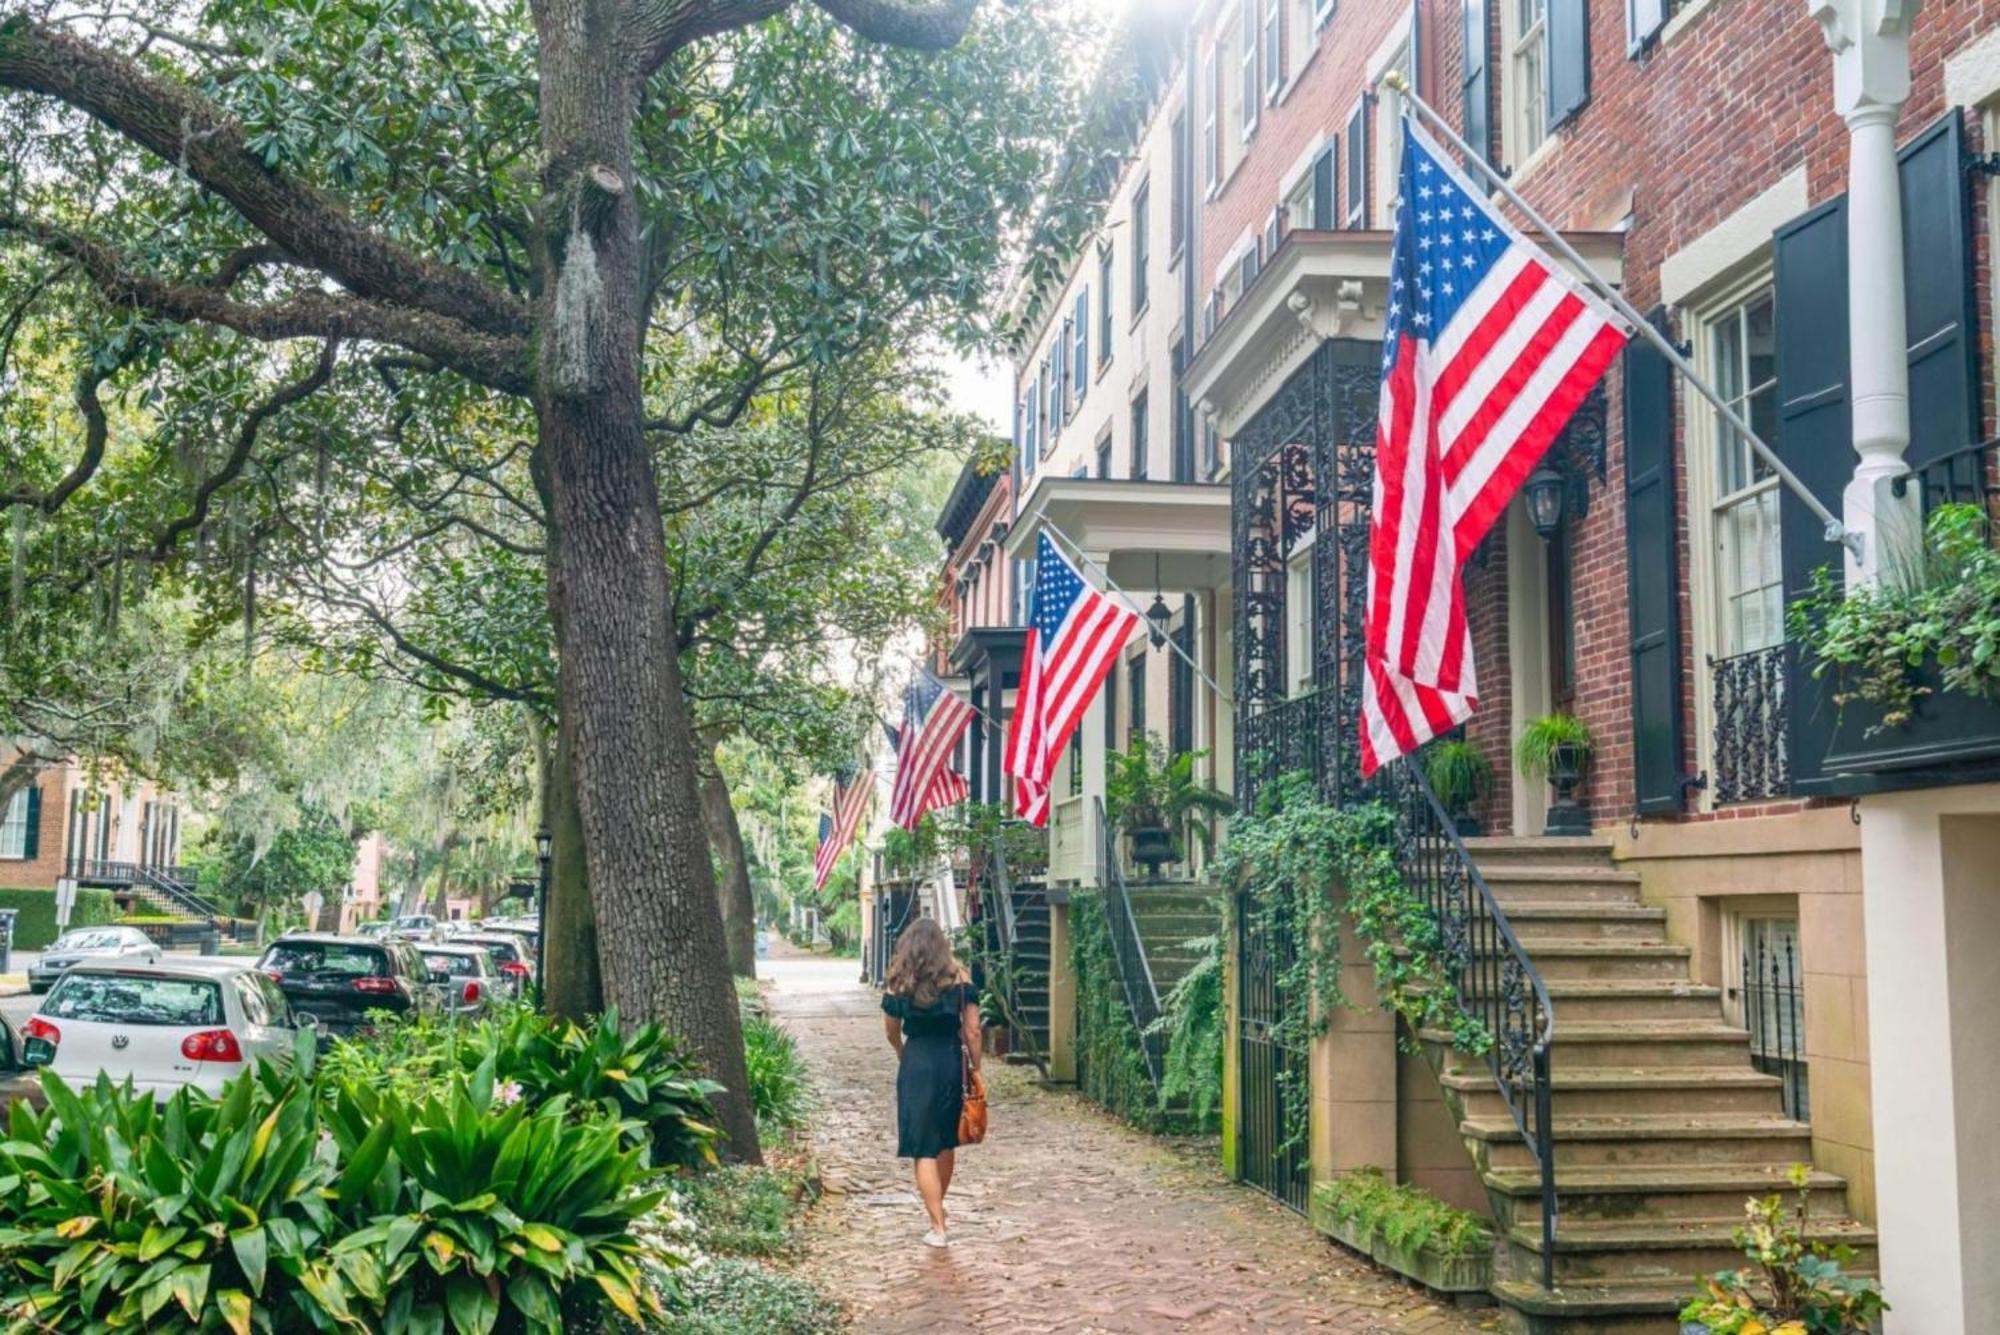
{"x": 492, "y": 278}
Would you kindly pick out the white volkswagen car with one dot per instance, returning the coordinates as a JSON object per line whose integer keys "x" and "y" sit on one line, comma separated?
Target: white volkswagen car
{"x": 179, "y": 1022}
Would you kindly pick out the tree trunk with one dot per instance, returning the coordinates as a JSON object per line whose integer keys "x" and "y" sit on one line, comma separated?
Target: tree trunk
{"x": 572, "y": 987}
{"x": 645, "y": 849}
{"x": 725, "y": 838}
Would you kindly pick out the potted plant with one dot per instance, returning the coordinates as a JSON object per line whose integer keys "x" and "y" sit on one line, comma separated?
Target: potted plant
{"x": 1152, "y": 798}
{"x": 1557, "y": 747}
{"x": 1799, "y": 1286}
{"x": 1460, "y": 775}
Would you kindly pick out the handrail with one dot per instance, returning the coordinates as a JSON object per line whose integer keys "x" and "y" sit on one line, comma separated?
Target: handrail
{"x": 1009, "y": 929}
{"x": 178, "y": 891}
{"x": 1493, "y": 978}
{"x": 1135, "y": 973}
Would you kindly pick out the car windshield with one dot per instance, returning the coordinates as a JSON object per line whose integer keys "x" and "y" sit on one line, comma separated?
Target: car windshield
{"x": 458, "y": 966}
{"x": 502, "y": 951}
{"x": 324, "y": 957}
{"x": 130, "y": 999}
{"x": 88, "y": 941}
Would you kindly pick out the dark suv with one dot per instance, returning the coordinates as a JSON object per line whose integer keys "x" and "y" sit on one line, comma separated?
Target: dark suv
{"x": 339, "y": 979}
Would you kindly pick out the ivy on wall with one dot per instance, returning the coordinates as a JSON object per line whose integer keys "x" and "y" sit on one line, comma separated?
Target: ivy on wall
{"x": 1110, "y": 1065}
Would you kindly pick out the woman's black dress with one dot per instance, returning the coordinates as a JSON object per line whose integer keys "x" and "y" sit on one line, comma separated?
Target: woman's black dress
{"x": 930, "y": 1088}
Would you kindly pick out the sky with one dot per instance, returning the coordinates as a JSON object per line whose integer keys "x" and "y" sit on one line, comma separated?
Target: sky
{"x": 981, "y": 386}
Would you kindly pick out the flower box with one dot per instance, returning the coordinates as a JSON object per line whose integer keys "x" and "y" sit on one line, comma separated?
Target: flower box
{"x": 1350, "y": 1233}
{"x": 1444, "y": 1274}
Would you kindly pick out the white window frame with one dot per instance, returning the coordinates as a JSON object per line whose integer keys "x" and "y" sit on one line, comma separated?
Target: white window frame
{"x": 1211, "y": 121}
{"x": 1353, "y": 211}
{"x": 1704, "y": 497}
{"x": 1322, "y": 12}
{"x": 14, "y": 828}
{"x": 1106, "y": 264}
{"x": 1302, "y": 29}
{"x": 1248, "y": 88}
{"x": 1527, "y": 53}
{"x": 1740, "y": 922}
{"x": 1299, "y": 616}
{"x": 1295, "y": 187}
{"x": 1272, "y": 38}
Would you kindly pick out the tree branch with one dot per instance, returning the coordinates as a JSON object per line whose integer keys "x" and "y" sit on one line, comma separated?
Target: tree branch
{"x": 192, "y": 133}
{"x": 924, "y": 25}
{"x": 499, "y": 363}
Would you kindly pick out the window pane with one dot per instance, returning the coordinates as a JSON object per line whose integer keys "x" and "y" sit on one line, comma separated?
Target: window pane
{"x": 14, "y": 827}
{"x": 117, "y": 999}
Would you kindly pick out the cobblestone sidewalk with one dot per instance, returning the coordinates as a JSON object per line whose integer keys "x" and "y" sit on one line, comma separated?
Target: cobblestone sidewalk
{"x": 1063, "y": 1221}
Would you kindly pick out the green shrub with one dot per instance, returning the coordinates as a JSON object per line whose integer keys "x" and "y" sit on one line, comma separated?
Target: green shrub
{"x": 1405, "y": 1216}
{"x": 745, "y": 1210}
{"x": 1798, "y": 1287}
{"x": 778, "y": 1088}
{"x": 735, "y": 1297}
{"x": 35, "y": 914}
{"x": 287, "y": 1207}
{"x": 1110, "y": 1064}
{"x": 1191, "y": 1020}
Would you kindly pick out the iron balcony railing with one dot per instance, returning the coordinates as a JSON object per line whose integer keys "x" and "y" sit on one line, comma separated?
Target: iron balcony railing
{"x": 1965, "y": 476}
{"x": 1135, "y": 973}
{"x": 1283, "y": 738}
{"x": 1752, "y": 761}
{"x": 1494, "y": 980}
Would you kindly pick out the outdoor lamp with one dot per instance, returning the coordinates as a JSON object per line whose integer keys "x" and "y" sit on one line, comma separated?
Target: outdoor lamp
{"x": 1544, "y": 491}
{"x": 542, "y": 843}
{"x": 1159, "y": 614}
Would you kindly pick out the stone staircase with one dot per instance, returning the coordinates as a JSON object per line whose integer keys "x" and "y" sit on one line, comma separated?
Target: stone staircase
{"x": 1031, "y": 964}
{"x": 1662, "y": 1126}
{"x": 1170, "y": 914}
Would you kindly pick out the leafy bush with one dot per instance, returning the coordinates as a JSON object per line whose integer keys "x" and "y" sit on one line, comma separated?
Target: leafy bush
{"x": 745, "y": 1210}
{"x": 1191, "y": 1019}
{"x": 732, "y": 1297}
{"x": 1801, "y": 1289}
{"x": 1459, "y": 773}
{"x": 1110, "y": 1064}
{"x": 304, "y": 1201}
{"x": 778, "y": 1088}
{"x": 1406, "y": 1216}
{"x": 35, "y": 914}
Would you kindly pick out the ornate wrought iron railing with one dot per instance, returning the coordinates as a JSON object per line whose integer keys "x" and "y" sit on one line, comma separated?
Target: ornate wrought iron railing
{"x": 1751, "y": 725}
{"x": 1774, "y": 1013}
{"x": 1494, "y": 979}
{"x": 1135, "y": 973}
{"x": 1283, "y": 738}
{"x": 1963, "y": 477}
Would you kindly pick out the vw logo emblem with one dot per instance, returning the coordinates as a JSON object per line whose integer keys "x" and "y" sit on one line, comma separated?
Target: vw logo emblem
{"x": 120, "y": 1041}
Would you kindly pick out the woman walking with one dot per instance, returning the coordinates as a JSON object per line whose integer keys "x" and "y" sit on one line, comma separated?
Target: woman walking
{"x": 931, "y": 1014}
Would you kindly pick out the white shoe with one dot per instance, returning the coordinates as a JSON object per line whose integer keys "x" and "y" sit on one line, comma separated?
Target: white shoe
{"x": 937, "y": 1238}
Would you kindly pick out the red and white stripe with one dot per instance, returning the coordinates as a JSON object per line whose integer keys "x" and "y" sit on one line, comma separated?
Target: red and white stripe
{"x": 1462, "y": 423}
{"x": 849, "y": 801}
{"x": 927, "y": 744}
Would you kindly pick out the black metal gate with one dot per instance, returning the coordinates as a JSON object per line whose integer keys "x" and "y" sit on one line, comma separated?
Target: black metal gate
{"x": 1272, "y": 1149}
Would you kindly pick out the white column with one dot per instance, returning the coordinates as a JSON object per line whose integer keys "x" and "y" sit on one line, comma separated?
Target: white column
{"x": 1871, "y": 78}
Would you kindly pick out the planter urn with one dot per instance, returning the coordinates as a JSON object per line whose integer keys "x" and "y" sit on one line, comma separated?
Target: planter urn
{"x": 1566, "y": 816}
{"x": 1152, "y": 847}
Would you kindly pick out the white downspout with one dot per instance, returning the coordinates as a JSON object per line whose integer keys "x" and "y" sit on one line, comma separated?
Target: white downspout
{"x": 1870, "y": 41}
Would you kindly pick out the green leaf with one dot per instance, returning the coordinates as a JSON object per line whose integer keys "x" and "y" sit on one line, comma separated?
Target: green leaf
{"x": 252, "y": 1250}
{"x": 158, "y": 1241}
{"x": 471, "y": 1304}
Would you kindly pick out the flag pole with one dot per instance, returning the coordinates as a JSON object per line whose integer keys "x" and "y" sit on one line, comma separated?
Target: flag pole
{"x": 1105, "y": 575}
{"x": 1835, "y": 530}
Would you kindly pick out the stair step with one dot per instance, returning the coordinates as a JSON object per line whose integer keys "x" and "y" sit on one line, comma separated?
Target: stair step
{"x": 1611, "y": 1092}
{"x": 1537, "y": 922}
{"x": 1639, "y": 1045}
{"x": 1599, "y": 1250}
{"x": 1657, "y": 1192}
{"x": 1561, "y": 885}
{"x": 1646, "y": 1138}
{"x": 1609, "y": 960}
{"x": 1585, "y": 849}
{"x": 1586, "y": 999}
{"x": 1605, "y": 1308}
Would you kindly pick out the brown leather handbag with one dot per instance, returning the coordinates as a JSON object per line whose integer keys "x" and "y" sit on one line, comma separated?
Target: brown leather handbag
{"x": 972, "y": 1113}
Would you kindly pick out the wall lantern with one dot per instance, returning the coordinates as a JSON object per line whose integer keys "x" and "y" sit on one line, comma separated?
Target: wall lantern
{"x": 1159, "y": 614}
{"x": 1545, "y": 491}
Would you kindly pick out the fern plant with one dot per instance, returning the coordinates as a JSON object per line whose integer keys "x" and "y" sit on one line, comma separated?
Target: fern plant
{"x": 1145, "y": 787}
{"x": 1542, "y": 739}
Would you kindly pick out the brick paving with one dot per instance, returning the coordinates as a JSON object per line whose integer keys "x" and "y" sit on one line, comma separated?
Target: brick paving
{"x": 1064, "y": 1220}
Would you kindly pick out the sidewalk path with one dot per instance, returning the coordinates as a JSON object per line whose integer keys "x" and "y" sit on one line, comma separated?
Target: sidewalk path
{"x": 1065, "y": 1220}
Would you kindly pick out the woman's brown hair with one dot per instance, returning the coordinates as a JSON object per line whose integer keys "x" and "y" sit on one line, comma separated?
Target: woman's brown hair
{"x": 923, "y": 966}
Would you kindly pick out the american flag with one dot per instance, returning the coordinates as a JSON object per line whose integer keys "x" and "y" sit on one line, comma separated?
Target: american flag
{"x": 1074, "y": 637}
{"x": 1487, "y": 349}
{"x": 836, "y": 831}
{"x": 933, "y": 719}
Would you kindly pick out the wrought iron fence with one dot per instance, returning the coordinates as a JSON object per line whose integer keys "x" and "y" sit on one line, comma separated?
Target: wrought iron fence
{"x": 1774, "y": 1010}
{"x": 1751, "y": 725}
{"x": 1493, "y": 978}
{"x": 1135, "y": 974}
{"x": 1271, "y": 1061}
{"x": 1282, "y": 738}
{"x": 1965, "y": 476}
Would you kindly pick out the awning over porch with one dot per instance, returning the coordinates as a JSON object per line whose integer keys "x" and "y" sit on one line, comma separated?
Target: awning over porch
{"x": 1317, "y": 285}
{"x": 1148, "y": 535}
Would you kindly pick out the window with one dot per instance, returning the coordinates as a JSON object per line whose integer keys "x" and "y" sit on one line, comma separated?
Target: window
{"x": 1356, "y": 214}
{"x": 1104, "y": 454}
{"x": 1322, "y": 10}
{"x": 1301, "y": 34}
{"x": 1767, "y": 996}
{"x": 109, "y": 998}
{"x": 1103, "y": 305}
{"x": 1527, "y": 78}
{"x": 1741, "y": 345}
{"x": 1076, "y": 748}
{"x": 1181, "y": 444}
{"x": 1274, "y": 47}
{"x": 1139, "y": 436}
{"x": 1059, "y": 387}
{"x": 1135, "y": 697}
{"x": 14, "y": 827}
{"x": 1051, "y": 401}
{"x": 1211, "y": 132}
{"x": 1142, "y": 248}
{"x": 1080, "y": 350}
{"x": 1246, "y": 55}
{"x": 1299, "y": 619}
{"x": 1177, "y": 220}
{"x": 1031, "y": 442}
{"x": 1180, "y": 685}
{"x": 1211, "y": 447}
{"x": 1309, "y": 204}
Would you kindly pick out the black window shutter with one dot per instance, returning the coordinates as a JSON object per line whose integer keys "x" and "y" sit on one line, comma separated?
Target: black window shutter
{"x": 1815, "y": 438}
{"x": 32, "y": 849}
{"x": 1325, "y": 172}
{"x": 1938, "y": 283}
{"x": 1568, "y": 59}
{"x": 1473, "y": 84}
{"x": 1357, "y": 166}
{"x": 1652, "y": 565}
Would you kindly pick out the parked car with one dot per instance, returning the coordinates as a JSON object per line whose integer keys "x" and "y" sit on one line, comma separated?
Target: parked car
{"x": 340, "y": 979}
{"x": 413, "y": 926}
{"x": 514, "y": 958}
{"x": 464, "y": 977}
{"x": 380, "y": 927}
{"x": 118, "y": 944}
{"x": 197, "y": 1022}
